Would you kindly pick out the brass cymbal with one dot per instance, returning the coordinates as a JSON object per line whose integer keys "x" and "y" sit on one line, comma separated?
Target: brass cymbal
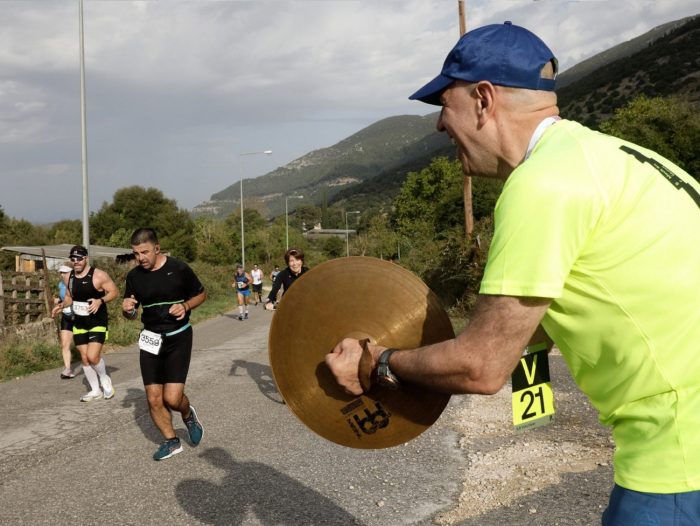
{"x": 358, "y": 297}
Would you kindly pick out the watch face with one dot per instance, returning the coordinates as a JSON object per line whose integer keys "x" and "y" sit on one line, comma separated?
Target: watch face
{"x": 389, "y": 381}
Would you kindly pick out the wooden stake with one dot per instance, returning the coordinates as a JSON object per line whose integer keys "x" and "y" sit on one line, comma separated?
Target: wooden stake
{"x": 47, "y": 293}
{"x": 468, "y": 206}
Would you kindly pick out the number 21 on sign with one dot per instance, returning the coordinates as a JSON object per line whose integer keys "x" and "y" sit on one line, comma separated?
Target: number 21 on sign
{"x": 533, "y": 398}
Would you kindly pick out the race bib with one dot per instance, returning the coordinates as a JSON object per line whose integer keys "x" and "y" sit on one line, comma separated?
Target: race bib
{"x": 241, "y": 285}
{"x": 150, "y": 341}
{"x": 80, "y": 308}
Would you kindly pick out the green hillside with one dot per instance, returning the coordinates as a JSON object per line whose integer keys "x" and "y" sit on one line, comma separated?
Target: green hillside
{"x": 670, "y": 65}
{"x": 376, "y": 149}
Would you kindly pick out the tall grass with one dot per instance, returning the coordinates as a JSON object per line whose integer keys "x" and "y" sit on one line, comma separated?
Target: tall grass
{"x": 18, "y": 358}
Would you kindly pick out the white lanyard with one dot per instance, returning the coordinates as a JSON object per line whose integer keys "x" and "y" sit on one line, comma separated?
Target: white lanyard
{"x": 539, "y": 131}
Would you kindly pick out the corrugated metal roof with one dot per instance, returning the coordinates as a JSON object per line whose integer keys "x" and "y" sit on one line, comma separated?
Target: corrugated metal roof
{"x": 61, "y": 251}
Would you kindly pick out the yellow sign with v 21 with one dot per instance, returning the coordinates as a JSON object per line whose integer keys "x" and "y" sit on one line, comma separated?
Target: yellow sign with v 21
{"x": 533, "y": 398}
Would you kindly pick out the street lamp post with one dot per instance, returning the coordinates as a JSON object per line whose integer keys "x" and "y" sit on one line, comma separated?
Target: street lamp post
{"x": 83, "y": 133}
{"x": 265, "y": 152}
{"x": 347, "y": 236}
{"x": 286, "y": 213}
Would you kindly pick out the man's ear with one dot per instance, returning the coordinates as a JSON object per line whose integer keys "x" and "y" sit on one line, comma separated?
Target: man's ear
{"x": 485, "y": 97}
{"x": 157, "y": 249}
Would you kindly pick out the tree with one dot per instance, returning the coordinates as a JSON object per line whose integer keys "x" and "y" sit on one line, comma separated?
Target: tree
{"x": 376, "y": 238}
{"x": 214, "y": 242}
{"x": 433, "y": 196}
{"x": 135, "y": 207}
{"x": 69, "y": 231}
{"x": 7, "y": 260}
{"x": 429, "y": 219}
{"x": 17, "y": 232}
{"x": 334, "y": 247}
{"x": 670, "y": 126}
{"x": 256, "y": 246}
{"x": 307, "y": 214}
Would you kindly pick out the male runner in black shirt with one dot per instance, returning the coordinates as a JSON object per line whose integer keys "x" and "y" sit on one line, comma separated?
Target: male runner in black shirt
{"x": 167, "y": 290}
{"x": 89, "y": 289}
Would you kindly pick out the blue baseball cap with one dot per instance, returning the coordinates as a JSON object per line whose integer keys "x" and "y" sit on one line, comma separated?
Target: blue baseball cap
{"x": 503, "y": 54}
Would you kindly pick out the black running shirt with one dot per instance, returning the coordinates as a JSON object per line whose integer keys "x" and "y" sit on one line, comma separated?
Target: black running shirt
{"x": 157, "y": 290}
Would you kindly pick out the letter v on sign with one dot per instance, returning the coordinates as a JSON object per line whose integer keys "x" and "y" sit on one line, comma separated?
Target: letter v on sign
{"x": 529, "y": 373}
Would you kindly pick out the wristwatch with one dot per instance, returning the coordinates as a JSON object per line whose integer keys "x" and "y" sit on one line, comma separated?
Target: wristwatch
{"x": 385, "y": 377}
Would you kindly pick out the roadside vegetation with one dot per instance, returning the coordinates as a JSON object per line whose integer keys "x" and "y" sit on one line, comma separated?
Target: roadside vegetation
{"x": 422, "y": 229}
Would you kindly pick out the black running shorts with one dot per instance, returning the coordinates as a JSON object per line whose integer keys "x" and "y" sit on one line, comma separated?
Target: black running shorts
{"x": 66, "y": 324}
{"x": 171, "y": 364}
{"x": 87, "y": 336}
{"x": 257, "y": 288}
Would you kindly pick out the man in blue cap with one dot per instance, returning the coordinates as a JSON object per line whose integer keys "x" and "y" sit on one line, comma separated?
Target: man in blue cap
{"x": 597, "y": 240}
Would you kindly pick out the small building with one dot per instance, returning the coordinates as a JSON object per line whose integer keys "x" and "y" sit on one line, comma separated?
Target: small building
{"x": 29, "y": 259}
{"x": 324, "y": 233}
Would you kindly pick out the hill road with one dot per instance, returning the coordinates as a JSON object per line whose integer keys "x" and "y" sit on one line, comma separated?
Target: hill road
{"x": 67, "y": 462}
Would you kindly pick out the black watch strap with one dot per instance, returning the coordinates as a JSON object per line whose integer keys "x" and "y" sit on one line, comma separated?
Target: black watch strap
{"x": 384, "y": 375}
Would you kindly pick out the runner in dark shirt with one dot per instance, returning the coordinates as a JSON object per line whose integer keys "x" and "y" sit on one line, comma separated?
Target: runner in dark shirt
{"x": 167, "y": 290}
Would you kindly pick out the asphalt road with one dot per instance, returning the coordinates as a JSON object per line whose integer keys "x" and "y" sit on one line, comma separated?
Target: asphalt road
{"x": 63, "y": 461}
{"x": 67, "y": 462}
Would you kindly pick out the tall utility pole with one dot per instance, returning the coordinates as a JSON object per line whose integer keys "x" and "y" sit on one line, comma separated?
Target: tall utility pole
{"x": 83, "y": 135}
{"x": 468, "y": 208}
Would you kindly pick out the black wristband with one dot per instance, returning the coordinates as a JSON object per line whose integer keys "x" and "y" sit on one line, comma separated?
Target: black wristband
{"x": 385, "y": 376}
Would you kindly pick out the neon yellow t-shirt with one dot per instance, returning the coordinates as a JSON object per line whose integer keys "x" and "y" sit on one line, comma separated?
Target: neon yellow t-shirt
{"x": 616, "y": 246}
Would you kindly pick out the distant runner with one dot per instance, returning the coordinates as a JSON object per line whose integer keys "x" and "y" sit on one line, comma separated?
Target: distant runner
{"x": 67, "y": 316}
{"x": 241, "y": 282}
{"x": 257, "y": 275}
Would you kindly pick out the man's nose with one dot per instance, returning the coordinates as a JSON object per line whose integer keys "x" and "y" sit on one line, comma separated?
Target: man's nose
{"x": 440, "y": 127}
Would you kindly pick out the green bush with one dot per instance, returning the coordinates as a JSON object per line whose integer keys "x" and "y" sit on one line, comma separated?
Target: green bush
{"x": 21, "y": 358}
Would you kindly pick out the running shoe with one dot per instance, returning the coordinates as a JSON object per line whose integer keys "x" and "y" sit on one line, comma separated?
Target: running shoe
{"x": 108, "y": 391}
{"x": 167, "y": 449}
{"x": 240, "y": 317}
{"x": 92, "y": 395}
{"x": 245, "y": 317}
{"x": 194, "y": 427}
{"x": 67, "y": 374}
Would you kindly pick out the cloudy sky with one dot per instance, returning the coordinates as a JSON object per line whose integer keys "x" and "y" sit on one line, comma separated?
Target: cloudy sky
{"x": 177, "y": 90}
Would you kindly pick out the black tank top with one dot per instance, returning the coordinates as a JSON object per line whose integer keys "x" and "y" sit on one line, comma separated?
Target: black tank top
{"x": 82, "y": 289}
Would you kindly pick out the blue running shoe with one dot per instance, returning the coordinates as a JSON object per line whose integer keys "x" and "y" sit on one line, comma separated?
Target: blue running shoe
{"x": 194, "y": 427}
{"x": 167, "y": 449}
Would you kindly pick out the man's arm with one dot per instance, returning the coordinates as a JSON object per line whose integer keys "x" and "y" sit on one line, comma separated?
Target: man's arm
{"x": 276, "y": 285}
{"x": 103, "y": 282}
{"x": 479, "y": 360}
{"x": 180, "y": 309}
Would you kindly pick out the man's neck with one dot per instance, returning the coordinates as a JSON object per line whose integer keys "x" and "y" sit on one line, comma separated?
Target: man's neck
{"x": 84, "y": 272}
{"x": 160, "y": 261}
{"x": 517, "y": 138}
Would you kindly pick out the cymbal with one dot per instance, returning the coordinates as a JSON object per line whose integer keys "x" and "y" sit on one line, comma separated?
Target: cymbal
{"x": 357, "y": 297}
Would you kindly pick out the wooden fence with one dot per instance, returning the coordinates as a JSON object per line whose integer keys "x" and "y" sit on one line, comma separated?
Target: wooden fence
{"x": 24, "y": 298}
